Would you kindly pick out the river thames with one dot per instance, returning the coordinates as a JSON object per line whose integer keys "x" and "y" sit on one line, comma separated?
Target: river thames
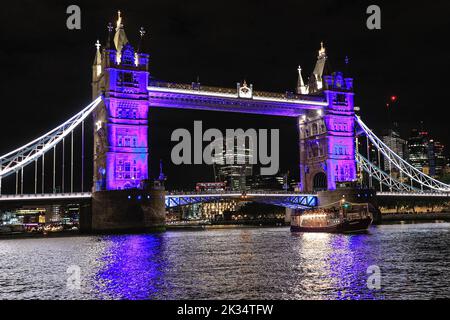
{"x": 264, "y": 263}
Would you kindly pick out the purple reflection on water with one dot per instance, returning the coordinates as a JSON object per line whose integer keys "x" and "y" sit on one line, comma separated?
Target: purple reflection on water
{"x": 132, "y": 268}
{"x": 348, "y": 262}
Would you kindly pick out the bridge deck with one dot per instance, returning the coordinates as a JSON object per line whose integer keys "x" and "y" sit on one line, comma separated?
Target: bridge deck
{"x": 183, "y": 96}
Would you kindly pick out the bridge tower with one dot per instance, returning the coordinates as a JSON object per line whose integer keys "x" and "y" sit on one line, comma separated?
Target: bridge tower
{"x": 122, "y": 198}
{"x": 327, "y": 138}
{"x": 121, "y": 74}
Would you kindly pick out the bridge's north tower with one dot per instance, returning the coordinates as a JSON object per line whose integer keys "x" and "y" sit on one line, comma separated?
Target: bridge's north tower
{"x": 327, "y": 138}
{"x": 120, "y": 73}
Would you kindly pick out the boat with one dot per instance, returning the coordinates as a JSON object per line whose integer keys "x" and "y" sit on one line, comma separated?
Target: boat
{"x": 339, "y": 217}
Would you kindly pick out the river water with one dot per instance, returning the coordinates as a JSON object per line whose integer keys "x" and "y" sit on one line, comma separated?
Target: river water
{"x": 265, "y": 263}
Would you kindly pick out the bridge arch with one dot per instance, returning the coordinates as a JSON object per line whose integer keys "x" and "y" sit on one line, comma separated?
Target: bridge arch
{"x": 320, "y": 181}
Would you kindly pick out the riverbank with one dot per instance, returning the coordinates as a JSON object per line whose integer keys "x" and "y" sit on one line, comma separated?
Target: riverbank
{"x": 386, "y": 218}
{"x": 393, "y": 217}
{"x": 36, "y": 235}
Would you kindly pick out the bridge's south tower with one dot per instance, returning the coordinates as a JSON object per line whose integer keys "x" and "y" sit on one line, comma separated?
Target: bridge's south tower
{"x": 120, "y": 73}
{"x": 327, "y": 138}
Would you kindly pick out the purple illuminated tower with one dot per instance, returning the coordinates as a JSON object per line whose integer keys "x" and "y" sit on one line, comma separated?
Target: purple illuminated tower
{"x": 121, "y": 74}
{"x": 327, "y": 138}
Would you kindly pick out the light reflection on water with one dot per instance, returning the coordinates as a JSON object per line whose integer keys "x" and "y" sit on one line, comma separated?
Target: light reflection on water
{"x": 268, "y": 263}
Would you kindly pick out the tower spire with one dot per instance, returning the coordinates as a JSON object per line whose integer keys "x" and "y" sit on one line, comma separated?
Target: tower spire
{"x": 98, "y": 55}
{"x": 119, "y": 21}
{"x": 120, "y": 38}
{"x": 315, "y": 81}
{"x": 98, "y": 59}
{"x": 142, "y": 33}
{"x": 322, "y": 51}
{"x": 109, "y": 43}
{"x": 162, "y": 176}
{"x": 301, "y": 88}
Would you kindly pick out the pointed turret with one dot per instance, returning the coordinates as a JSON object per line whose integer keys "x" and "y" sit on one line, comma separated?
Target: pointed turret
{"x": 120, "y": 38}
{"x": 315, "y": 81}
{"x": 301, "y": 88}
{"x": 98, "y": 55}
{"x": 162, "y": 177}
{"x": 110, "y": 42}
{"x": 141, "y": 46}
{"x": 97, "y": 65}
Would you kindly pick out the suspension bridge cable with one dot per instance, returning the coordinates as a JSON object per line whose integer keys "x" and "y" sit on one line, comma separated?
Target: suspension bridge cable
{"x": 71, "y": 162}
{"x": 410, "y": 171}
{"x": 63, "y": 161}
{"x": 24, "y": 155}
{"x": 82, "y": 156}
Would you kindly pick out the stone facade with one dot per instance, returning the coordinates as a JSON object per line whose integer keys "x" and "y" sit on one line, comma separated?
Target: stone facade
{"x": 327, "y": 139}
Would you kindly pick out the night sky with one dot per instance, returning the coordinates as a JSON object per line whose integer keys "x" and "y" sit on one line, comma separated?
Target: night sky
{"x": 46, "y": 68}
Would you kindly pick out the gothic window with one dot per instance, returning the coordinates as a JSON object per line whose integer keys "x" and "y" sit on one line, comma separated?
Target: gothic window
{"x": 119, "y": 169}
{"x": 119, "y": 112}
{"x": 119, "y": 141}
{"x": 127, "y": 141}
{"x": 134, "y": 114}
{"x": 134, "y": 142}
{"x": 315, "y": 129}
{"x": 127, "y": 169}
{"x": 126, "y": 78}
{"x": 315, "y": 151}
{"x": 135, "y": 171}
{"x": 341, "y": 99}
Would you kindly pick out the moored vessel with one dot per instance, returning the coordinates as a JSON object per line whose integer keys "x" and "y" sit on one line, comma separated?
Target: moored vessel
{"x": 339, "y": 217}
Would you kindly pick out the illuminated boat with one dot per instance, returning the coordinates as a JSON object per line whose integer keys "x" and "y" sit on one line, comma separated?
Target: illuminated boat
{"x": 339, "y": 217}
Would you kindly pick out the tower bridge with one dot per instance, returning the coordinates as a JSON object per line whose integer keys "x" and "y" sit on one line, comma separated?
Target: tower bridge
{"x": 330, "y": 135}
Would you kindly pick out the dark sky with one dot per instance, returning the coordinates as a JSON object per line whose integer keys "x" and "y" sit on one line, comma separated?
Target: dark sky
{"x": 46, "y": 68}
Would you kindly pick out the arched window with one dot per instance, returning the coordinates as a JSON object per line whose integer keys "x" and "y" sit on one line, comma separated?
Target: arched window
{"x": 320, "y": 182}
{"x": 315, "y": 129}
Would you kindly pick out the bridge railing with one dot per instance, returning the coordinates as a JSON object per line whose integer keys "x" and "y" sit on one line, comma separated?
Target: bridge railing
{"x": 277, "y": 192}
{"x": 210, "y": 89}
{"x": 42, "y": 196}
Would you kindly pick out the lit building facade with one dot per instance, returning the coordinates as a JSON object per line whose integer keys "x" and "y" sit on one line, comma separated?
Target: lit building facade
{"x": 418, "y": 151}
{"x": 327, "y": 140}
{"x": 393, "y": 140}
{"x": 120, "y": 73}
{"x": 437, "y": 159}
{"x": 234, "y": 165}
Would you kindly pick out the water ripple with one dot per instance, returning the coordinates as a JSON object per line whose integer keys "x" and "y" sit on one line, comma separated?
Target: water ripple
{"x": 268, "y": 263}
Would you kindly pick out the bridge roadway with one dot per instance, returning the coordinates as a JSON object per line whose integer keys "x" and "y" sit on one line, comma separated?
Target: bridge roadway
{"x": 292, "y": 200}
{"x": 175, "y": 199}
